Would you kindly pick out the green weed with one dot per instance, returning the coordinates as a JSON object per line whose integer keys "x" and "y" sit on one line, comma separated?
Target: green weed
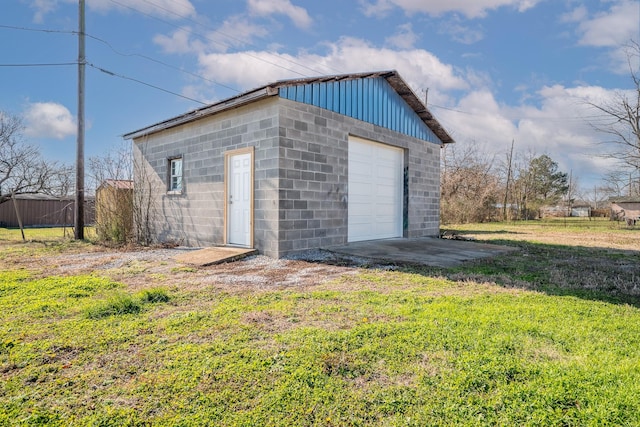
{"x": 116, "y": 305}
{"x": 153, "y": 295}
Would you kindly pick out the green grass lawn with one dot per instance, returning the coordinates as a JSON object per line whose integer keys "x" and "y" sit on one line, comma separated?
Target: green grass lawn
{"x": 523, "y": 339}
{"x": 43, "y": 234}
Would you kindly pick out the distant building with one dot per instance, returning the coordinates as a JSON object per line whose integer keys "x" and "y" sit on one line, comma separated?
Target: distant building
{"x": 114, "y": 210}
{"x": 581, "y": 210}
{"x": 42, "y": 210}
{"x": 563, "y": 210}
{"x": 625, "y": 209}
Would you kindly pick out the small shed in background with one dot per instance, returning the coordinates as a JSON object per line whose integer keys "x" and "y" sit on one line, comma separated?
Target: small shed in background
{"x": 114, "y": 209}
{"x": 42, "y": 210}
{"x": 581, "y": 210}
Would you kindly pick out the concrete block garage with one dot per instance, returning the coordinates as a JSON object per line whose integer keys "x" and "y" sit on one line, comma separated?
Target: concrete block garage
{"x": 295, "y": 165}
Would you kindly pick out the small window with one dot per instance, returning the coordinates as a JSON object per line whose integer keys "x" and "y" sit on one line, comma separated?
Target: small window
{"x": 175, "y": 174}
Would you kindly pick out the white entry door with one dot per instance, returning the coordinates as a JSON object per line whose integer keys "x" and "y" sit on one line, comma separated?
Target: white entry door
{"x": 375, "y": 190}
{"x": 239, "y": 199}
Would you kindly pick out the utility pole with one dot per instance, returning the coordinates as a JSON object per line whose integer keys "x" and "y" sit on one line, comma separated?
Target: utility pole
{"x": 506, "y": 191}
{"x": 570, "y": 191}
{"x": 79, "y": 211}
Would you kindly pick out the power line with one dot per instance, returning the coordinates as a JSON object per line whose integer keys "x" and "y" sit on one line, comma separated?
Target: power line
{"x": 113, "y": 74}
{"x": 41, "y": 30}
{"x": 157, "y": 61}
{"x": 51, "y": 64}
{"x": 105, "y": 42}
{"x": 236, "y": 38}
{"x": 452, "y": 109}
{"x": 256, "y": 57}
{"x": 555, "y": 118}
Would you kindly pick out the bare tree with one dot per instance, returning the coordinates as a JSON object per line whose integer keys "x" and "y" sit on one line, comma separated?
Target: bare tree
{"x": 521, "y": 185}
{"x": 623, "y": 126}
{"x": 506, "y": 211}
{"x": 619, "y": 183}
{"x": 597, "y": 196}
{"x": 116, "y": 164}
{"x": 145, "y": 202}
{"x": 63, "y": 183}
{"x": 470, "y": 188}
{"x": 22, "y": 168}
{"x": 572, "y": 192}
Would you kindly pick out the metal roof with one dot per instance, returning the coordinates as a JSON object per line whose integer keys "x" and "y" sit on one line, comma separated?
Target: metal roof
{"x": 392, "y": 77}
{"x": 120, "y": 184}
{"x": 625, "y": 199}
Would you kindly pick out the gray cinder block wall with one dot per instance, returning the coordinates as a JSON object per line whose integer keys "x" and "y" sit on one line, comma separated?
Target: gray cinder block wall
{"x": 300, "y": 176}
{"x": 314, "y": 176}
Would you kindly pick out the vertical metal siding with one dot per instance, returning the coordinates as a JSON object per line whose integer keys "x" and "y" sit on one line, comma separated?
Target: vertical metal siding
{"x": 323, "y": 96}
{"x": 44, "y": 212}
{"x": 371, "y": 100}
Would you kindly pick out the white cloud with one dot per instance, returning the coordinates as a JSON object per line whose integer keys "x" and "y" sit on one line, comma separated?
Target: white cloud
{"x": 235, "y": 32}
{"x": 461, "y": 33}
{"x": 172, "y": 9}
{"x": 482, "y": 119}
{"x": 246, "y": 70}
{"x": 557, "y": 122}
{"x": 578, "y": 14}
{"x": 42, "y": 8}
{"x": 469, "y": 8}
{"x": 612, "y": 29}
{"x": 49, "y": 120}
{"x": 404, "y": 38}
{"x": 297, "y": 14}
{"x": 179, "y": 42}
{"x": 200, "y": 92}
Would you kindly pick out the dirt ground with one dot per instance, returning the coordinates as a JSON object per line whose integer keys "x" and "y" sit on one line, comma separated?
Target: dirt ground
{"x": 144, "y": 267}
{"x": 139, "y": 267}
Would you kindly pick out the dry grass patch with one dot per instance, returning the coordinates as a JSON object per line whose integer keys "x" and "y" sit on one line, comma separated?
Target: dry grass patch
{"x": 597, "y": 233}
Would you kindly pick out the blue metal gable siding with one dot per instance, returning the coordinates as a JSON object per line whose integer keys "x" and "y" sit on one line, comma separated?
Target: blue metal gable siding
{"x": 371, "y": 100}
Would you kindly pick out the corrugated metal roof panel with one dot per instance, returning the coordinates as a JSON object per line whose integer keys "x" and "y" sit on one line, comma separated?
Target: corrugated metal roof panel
{"x": 381, "y": 97}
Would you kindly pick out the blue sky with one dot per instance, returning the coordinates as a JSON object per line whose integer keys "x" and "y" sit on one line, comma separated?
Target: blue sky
{"x": 496, "y": 70}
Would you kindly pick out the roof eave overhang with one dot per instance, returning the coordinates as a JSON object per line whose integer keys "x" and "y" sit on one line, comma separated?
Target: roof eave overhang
{"x": 392, "y": 77}
{"x": 409, "y": 96}
{"x": 227, "y": 104}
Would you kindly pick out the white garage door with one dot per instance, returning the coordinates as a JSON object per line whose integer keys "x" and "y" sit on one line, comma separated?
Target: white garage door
{"x": 375, "y": 190}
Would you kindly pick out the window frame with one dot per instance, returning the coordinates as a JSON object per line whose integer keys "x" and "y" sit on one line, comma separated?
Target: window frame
{"x": 173, "y": 177}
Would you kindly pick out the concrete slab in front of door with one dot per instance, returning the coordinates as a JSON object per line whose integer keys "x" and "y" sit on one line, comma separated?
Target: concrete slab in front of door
{"x": 426, "y": 251}
{"x": 214, "y": 255}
